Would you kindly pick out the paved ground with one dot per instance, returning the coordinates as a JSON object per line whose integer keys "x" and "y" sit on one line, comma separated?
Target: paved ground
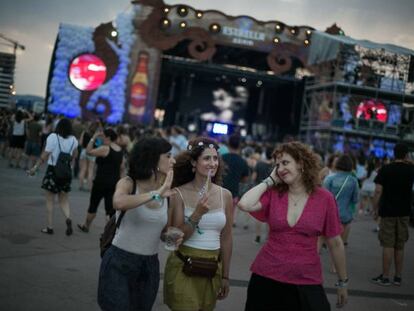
{"x": 42, "y": 272}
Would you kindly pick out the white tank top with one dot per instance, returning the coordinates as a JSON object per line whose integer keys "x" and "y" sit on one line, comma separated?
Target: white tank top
{"x": 140, "y": 229}
{"x": 18, "y": 128}
{"x": 207, "y": 235}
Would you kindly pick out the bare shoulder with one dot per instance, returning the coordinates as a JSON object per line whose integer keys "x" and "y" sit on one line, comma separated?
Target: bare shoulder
{"x": 226, "y": 193}
{"x": 125, "y": 184}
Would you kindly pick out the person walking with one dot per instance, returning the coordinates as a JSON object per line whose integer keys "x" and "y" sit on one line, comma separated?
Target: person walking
{"x": 62, "y": 141}
{"x": 344, "y": 186}
{"x": 109, "y": 158}
{"x": 203, "y": 211}
{"x": 392, "y": 202}
{"x": 129, "y": 274}
{"x": 286, "y": 274}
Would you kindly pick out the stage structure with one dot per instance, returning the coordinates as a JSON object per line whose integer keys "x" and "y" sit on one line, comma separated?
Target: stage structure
{"x": 159, "y": 56}
{"x": 360, "y": 96}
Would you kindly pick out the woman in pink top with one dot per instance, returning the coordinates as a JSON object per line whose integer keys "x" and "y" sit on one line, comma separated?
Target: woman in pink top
{"x": 286, "y": 274}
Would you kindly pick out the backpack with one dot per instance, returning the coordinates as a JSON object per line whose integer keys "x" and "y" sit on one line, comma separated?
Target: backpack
{"x": 63, "y": 169}
{"x": 105, "y": 241}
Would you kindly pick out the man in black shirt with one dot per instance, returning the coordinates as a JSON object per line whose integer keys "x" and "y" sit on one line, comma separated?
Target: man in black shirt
{"x": 392, "y": 202}
{"x": 236, "y": 171}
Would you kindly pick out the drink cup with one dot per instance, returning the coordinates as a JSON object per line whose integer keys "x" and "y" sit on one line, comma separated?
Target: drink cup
{"x": 172, "y": 235}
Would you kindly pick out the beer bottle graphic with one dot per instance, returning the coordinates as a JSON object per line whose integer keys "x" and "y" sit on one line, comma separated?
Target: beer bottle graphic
{"x": 139, "y": 87}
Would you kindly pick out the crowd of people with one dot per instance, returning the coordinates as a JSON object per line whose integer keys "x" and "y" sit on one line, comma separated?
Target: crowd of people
{"x": 154, "y": 179}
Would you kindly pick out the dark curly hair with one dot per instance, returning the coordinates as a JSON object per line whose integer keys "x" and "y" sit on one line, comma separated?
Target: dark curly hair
{"x": 183, "y": 169}
{"x": 306, "y": 158}
{"x": 145, "y": 155}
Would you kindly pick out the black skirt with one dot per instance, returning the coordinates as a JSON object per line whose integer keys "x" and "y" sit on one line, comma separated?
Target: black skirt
{"x": 49, "y": 182}
{"x": 265, "y": 294}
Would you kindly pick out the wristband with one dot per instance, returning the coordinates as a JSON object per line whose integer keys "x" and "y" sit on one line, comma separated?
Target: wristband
{"x": 274, "y": 182}
{"x": 342, "y": 283}
{"x": 156, "y": 196}
{"x": 266, "y": 181}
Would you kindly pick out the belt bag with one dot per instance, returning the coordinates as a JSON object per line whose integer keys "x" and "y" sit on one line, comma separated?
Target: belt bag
{"x": 195, "y": 266}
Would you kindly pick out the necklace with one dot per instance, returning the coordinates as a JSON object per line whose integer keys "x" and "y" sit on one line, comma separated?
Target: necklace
{"x": 296, "y": 202}
{"x": 202, "y": 190}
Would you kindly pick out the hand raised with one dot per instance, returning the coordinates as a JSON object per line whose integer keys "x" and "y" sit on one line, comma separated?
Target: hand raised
{"x": 165, "y": 189}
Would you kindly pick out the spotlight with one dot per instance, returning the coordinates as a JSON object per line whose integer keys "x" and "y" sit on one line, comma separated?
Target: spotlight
{"x": 259, "y": 83}
{"x": 294, "y": 30}
{"x": 199, "y": 14}
{"x": 182, "y": 11}
{"x": 183, "y": 24}
{"x": 279, "y": 28}
{"x": 276, "y": 40}
{"x": 215, "y": 28}
{"x": 114, "y": 33}
{"x": 307, "y": 42}
{"x": 308, "y": 32}
{"x": 165, "y": 23}
{"x": 243, "y": 80}
{"x": 166, "y": 10}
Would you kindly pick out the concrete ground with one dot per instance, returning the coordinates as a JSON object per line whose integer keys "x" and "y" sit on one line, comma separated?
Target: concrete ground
{"x": 56, "y": 272}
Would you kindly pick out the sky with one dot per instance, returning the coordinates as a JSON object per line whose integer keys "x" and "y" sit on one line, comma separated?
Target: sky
{"x": 35, "y": 23}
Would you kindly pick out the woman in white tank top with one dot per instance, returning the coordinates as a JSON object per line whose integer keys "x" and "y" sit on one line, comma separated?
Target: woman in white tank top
{"x": 129, "y": 274}
{"x": 203, "y": 211}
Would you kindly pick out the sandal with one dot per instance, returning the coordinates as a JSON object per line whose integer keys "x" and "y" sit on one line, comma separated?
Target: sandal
{"x": 83, "y": 228}
{"x": 69, "y": 229}
{"x": 47, "y": 230}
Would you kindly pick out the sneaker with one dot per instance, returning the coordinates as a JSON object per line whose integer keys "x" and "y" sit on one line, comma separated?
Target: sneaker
{"x": 380, "y": 280}
{"x": 47, "y": 230}
{"x": 397, "y": 281}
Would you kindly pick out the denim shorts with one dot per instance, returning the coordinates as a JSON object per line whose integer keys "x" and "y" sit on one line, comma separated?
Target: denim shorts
{"x": 128, "y": 281}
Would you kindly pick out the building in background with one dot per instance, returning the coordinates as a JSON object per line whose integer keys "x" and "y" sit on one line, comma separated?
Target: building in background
{"x": 7, "y": 64}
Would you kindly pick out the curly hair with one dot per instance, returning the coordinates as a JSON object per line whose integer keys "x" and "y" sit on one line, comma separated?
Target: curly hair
{"x": 306, "y": 158}
{"x": 145, "y": 155}
{"x": 183, "y": 169}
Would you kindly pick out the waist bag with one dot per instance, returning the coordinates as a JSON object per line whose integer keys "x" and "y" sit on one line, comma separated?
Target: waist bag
{"x": 196, "y": 266}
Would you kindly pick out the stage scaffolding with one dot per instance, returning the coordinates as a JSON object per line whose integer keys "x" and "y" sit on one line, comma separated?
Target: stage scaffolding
{"x": 342, "y": 89}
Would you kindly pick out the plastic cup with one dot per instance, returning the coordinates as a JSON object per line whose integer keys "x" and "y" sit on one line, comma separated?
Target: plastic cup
{"x": 172, "y": 235}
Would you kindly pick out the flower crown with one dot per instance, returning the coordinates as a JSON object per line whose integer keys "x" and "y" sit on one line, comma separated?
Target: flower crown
{"x": 201, "y": 144}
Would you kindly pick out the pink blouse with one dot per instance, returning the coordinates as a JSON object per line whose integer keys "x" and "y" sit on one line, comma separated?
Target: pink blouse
{"x": 290, "y": 254}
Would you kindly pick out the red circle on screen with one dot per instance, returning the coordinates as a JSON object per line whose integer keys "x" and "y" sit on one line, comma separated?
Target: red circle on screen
{"x": 87, "y": 72}
{"x": 372, "y": 110}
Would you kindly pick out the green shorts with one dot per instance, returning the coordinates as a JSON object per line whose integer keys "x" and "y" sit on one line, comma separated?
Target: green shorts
{"x": 393, "y": 232}
{"x": 182, "y": 292}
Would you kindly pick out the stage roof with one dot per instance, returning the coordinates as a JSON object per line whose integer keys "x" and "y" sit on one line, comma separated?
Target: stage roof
{"x": 325, "y": 47}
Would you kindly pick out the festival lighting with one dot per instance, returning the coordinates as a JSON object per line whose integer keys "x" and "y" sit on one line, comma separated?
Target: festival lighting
{"x": 307, "y": 42}
{"x": 308, "y": 32}
{"x": 166, "y": 10}
{"x": 165, "y": 23}
{"x": 259, "y": 83}
{"x": 114, "y": 33}
{"x": 294, "y": 30}
{"x": 183, "y": 24}
{"x": 199, "y": 14}
{"x": 279, "y": 28}
{"x": 182, "y": 11}
{"x": 215, "y": 28}
{"x": 276, "y": 40}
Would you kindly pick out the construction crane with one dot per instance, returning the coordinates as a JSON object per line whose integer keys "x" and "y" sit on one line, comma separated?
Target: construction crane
{"x": 16, "y": 45}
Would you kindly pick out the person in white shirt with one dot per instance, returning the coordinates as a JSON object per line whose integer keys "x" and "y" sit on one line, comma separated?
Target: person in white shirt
{"x": 203, "y": 210}
{"x": 129, "y": 274}
{"x": 61, "y": 140}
